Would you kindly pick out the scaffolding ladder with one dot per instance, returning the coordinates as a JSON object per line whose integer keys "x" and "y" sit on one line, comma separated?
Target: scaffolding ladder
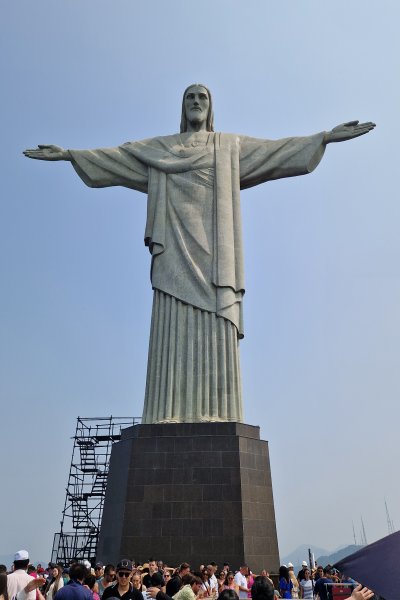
{"x": 86, "y": 489}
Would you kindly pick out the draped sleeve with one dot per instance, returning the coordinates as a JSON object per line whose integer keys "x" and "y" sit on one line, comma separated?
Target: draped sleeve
{"x": 264, "y": 160}
{"x": 107, "y": 167}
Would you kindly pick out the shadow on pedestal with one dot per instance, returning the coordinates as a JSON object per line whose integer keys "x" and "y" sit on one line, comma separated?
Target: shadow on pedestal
{"x": 190, "y": 492}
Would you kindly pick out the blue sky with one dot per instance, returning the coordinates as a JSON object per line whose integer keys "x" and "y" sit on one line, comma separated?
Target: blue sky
{"x": 320, "y": 358}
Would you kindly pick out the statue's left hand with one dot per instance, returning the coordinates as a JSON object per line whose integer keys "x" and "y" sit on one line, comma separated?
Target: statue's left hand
{"x": 348, "y": 131}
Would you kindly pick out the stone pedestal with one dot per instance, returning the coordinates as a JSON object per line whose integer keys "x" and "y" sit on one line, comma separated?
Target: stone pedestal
{"x": 191, "y": 492}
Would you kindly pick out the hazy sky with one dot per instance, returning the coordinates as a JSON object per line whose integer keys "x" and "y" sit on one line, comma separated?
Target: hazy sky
{"x": 320, "y": 358}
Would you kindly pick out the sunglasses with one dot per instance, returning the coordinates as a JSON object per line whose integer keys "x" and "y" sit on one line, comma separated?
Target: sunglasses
{"x": 124, "y": 573}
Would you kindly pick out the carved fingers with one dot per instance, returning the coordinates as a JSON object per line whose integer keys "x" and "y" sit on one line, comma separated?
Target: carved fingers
{"x": 45, "y": 152}
{"x": 348, "y": 131}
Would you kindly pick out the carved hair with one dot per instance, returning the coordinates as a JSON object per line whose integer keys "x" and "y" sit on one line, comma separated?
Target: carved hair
{"x": 210, "y": 116}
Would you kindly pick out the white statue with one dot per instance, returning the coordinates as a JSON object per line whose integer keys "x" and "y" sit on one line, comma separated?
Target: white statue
{"x": 193, "y": 181}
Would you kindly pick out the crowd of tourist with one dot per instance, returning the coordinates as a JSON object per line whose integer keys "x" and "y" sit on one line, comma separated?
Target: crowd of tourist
{"x": 155, "y": 580}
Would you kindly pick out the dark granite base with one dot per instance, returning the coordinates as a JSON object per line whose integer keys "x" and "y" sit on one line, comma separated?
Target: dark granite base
{"x": 191, "y": 492}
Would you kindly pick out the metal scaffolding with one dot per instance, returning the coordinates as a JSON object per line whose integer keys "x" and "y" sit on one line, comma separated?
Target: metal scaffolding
{"x": 85, "y": 492}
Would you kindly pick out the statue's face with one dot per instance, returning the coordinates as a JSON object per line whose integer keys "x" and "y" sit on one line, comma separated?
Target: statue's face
{"x": 197, "y": 104}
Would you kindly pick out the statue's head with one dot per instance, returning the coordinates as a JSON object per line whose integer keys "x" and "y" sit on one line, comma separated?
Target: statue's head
{"x": 205, "y": 102}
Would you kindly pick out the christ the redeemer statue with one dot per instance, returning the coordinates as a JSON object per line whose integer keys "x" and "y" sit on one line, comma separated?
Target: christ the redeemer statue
{"x": 193, "y": 231}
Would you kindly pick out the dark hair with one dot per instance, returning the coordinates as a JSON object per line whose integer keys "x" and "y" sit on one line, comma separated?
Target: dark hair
{"x": 188, "y": 579}
{"x": 108, "y": 568}
{"x": 3, "y": 585}
{"x": 90, "y": 581}
{"x": 228, "y": 595}
{"x": 183, "y": 566}
{"x": 284, "y": 572}
{"x": 210, "y": 116}
{"x": 196, "y": 579}
{"x": 157, "y": 579}
{"x": 54, "y": 580}
{"x": 3, "y": 569}
{"x": 262, "y": 589}
{"x": 21, "y": 564}
{"x": 78, "y": 572}
{"x": 229, "y": 574}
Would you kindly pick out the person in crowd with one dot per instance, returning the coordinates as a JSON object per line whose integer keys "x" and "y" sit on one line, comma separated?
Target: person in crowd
{"x": 300, "y": 574}
{"x": 221, "y": 581}
{"x": 3, "y": 586}
{"x": 211, "y": 568}
{"x": 167, "y": 576}
{"x": 262, "y": 589}
{"x": 285, "y": 584}
{"x": 241, "y": 581}
{"x": 123, "y": 587}
{"x": 293, "y": 579}
{"x": 250, "y": 581}
{"x": 226, "y": 568}
{"x": 107, "y": 579}
{"x": 264, "y": 573}
{"x": 157, "y": 587}
{"x": 137, "y": 581}
{"x": 153, "y": 568}
{"x": 31, "y": 570}
{"x": 228, "y": 595}
{"x": 55, "y": 582}
{"x": 306, "y": 586}
{"x": 91, "y": 583}
{"x": 66, "y": 575}
{"x": 319, "y": 573}
{"x": 3, "y": 569}
{"x": 206, "y": 589}
{"x": 229, "y": 583}
{"x": 99, "y": 570}
{"x": 320, "y": 586}
{"x": 175, "y": 583}
{"x": 190, "y": 590}
{"x": 33, "y": 586}
{"x": 75, "y": 590}
{"x": 19, "y": 578}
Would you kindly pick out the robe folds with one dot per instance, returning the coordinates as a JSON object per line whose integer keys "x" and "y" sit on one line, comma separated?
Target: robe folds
{"x": 193, "y": 232}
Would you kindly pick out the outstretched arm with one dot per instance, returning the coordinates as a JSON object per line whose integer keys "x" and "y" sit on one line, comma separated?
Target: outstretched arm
{"x": 347, "y": 131}
{"x": 101, "y": 167}
{"x": 47, "y": 152}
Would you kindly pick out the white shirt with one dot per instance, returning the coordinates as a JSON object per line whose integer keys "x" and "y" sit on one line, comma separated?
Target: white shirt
{"x": 16, "y": 582}
{"x": 241, "y": 580}
{"x": 307, "y": 589}
{"x": 213, "y": 582}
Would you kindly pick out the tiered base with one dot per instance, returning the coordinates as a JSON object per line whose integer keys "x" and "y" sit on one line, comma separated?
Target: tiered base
{"x": 190, "y": 492}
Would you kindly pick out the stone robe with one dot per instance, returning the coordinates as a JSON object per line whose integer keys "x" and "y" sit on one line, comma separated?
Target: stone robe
{"x": 193, "y": 231}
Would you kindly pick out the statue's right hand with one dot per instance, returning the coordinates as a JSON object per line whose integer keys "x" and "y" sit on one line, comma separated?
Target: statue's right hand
{"x": 47, "y": 152}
